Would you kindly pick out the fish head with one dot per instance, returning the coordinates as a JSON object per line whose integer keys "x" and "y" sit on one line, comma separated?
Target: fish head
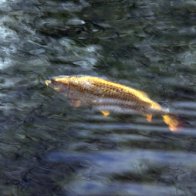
{"x": 59, "y": 83}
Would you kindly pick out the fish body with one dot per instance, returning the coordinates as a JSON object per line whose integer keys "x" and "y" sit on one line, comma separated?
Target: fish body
{"x": 109, "y": 96}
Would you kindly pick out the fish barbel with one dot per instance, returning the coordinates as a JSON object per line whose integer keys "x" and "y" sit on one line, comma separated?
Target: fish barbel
{"x": 107, "y": 95}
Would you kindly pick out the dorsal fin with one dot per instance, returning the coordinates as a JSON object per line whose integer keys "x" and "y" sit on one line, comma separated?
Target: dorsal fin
{"x": 143, "y": 93}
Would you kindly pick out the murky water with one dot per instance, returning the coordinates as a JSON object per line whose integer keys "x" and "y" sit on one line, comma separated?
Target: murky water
{"x": 48, "y": 147}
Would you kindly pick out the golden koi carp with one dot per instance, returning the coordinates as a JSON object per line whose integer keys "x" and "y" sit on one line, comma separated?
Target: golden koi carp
{"x": 109, "y": 96}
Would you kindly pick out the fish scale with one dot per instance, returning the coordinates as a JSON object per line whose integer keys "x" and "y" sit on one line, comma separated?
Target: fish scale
{"x": 109, "y": 89}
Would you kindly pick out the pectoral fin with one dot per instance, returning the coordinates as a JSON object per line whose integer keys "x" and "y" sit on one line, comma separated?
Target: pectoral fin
{"x": 105, "y": 113}
{"x": 149, "y": 117}
{"x": 75, "y": 103}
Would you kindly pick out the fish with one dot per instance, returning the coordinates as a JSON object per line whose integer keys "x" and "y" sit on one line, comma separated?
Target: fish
{"x": 108, "y": 96}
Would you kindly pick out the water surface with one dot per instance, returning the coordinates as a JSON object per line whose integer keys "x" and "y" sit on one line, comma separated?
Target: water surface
{"x": 48, "y": 147}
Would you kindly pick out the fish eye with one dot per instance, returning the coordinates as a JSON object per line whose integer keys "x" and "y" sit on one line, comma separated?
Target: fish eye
{"x": 53, "y": 81}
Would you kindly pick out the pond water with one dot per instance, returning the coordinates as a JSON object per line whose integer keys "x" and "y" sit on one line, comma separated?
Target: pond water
{"x": 48, "y": 147}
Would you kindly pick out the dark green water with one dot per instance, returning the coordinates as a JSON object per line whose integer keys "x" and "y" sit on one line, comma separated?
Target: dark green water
{"x": 49, "y": 148}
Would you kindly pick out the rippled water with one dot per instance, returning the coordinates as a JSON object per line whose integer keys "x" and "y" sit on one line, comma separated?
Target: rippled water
{"x": 48, "y": 147}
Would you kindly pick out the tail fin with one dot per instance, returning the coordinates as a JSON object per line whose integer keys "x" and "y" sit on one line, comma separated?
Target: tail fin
{"x": 173, "y": 122}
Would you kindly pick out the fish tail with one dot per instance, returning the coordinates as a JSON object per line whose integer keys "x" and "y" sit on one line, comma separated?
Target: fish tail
{"x": 174, "y": 123}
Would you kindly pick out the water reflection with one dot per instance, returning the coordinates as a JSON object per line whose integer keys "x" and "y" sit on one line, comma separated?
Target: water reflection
{"x": 136, "y": 167}
{"x": 48, "y": 147}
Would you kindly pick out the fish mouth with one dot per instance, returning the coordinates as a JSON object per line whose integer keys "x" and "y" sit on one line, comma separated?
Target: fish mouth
{"x": 55, "y": 85}
{"x": 47, "y": 82}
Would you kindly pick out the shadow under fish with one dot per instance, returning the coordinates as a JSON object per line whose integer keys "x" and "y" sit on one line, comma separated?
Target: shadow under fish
{"x": 107, "y": 96}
